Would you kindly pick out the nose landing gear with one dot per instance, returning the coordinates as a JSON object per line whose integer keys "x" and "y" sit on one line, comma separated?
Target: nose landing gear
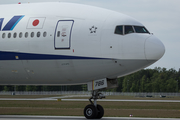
{"x": 94, "y": 110}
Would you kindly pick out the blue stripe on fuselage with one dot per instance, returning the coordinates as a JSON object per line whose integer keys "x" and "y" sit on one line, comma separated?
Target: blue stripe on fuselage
{"x": 12, "y": 23}
{"x": 32, "y": 56}
{"x": 1, "y": 21}
{"x": 16, "y": 22}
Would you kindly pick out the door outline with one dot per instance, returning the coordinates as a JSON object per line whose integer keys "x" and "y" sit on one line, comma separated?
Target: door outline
{"x": 58, "y": 48}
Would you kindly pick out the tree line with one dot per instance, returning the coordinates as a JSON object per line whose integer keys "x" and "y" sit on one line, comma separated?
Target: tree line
{"x": 146, "y": 80}
{"x": 151, "y": 80}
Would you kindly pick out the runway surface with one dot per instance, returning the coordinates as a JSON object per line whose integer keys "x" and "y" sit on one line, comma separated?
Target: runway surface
{"x": 17, "y": 117}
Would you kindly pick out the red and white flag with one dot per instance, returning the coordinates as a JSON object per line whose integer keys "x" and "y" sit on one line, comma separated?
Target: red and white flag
{"x": 36, "y": 23}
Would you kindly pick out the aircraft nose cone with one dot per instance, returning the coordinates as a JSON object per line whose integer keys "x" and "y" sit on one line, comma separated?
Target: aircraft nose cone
{"x": 154, "y": 49}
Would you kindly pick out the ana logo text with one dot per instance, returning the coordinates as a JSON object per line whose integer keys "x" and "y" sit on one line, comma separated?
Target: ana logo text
{"x": 11, "y": 24}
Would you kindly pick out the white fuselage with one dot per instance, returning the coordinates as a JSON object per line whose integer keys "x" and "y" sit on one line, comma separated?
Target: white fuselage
{"x": 65, "y": 43}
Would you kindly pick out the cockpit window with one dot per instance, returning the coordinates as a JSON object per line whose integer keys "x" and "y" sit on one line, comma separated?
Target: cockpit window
{"x": 140, "y": 29}
{"x": 129, "y": 29}
{"x": 119, "y": 30}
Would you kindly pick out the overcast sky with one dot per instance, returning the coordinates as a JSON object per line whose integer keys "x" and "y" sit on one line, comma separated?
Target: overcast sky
{"x": 161, "y": 17}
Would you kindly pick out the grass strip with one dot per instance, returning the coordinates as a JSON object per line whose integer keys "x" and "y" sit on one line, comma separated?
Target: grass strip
{"x": 112, "y": 109}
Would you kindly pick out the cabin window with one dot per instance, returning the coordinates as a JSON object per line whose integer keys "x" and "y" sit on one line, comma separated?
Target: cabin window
{"x": 9, "y": 35}
{"x": 119, "y": 30}
{"x": 3, "y": 35}
{"x": 32, "y": 34}
{"x": 15, "y": 35}
{"x": 20, "y": 35}
{"x": 129, "y": 29}
{"x": 140, "y": 29}
{"x": 44, "y": 34}
{"x": 38, "y": 34}
{"x": 26, "y": 34}
{"x": 58, "y": 34}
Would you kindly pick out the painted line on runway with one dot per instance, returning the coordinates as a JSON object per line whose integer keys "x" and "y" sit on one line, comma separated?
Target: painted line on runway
{"x": 117, "y": 100}
{"x": 46, "y": 99}
{"x": 24, "y": 99}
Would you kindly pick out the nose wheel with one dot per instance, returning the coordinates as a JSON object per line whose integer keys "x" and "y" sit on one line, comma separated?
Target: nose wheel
{"x": 100, "y": 112}
{"x": 93, "y": 110}
{"x": 90, "y": 112}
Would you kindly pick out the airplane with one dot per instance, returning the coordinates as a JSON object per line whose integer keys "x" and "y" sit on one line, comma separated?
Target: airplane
{"x": 59, "y": 43}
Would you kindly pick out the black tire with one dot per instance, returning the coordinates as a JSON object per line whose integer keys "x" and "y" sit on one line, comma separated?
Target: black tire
{"x": 100, "y": 112}
{"x": 90, "y": 112}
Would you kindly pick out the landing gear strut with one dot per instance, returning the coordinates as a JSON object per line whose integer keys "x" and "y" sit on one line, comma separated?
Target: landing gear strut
{"x": 93, "y": 110}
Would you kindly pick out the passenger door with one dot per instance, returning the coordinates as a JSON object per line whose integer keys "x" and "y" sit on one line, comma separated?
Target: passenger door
{"x": 62, "y": 38}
